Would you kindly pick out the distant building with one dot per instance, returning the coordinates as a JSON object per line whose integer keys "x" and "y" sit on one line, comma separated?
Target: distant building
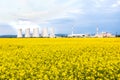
{"x": 104, "y": 34}
{"x": 35, "y": 32}
{"x": 79, "y": 35}
{"x": 19, "y": 34}
{"x": 27, "y": 32}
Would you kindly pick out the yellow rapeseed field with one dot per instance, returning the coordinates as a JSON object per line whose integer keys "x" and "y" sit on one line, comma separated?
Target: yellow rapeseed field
{"x": 60, "y": 58}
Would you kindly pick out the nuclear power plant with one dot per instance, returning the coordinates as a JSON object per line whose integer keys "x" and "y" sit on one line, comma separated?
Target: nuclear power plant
{"x": 45, "y": 33}
{"x": 36, "y": 33}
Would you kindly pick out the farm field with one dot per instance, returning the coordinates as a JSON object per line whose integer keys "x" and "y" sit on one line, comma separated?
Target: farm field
{"x": 60, "y": 58}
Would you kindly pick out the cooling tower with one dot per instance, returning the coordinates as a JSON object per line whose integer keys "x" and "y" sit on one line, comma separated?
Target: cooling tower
{"x": 19, "y": 35}
{"x": 36, "y": 32}
{"x": 44, "y": 32}
{"x": 27, "y": 32}
{"x": 52, "y": 35}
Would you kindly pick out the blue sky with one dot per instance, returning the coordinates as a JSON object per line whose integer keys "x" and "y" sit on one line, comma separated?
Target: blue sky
{"x": 83, "y": 15}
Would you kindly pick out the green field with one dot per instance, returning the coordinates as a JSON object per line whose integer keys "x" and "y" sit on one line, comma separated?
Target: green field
{"x": 60, "y": 58}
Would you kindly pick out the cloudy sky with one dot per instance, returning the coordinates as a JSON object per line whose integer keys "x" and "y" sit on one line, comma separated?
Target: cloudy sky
{"x": 62, "y": 15}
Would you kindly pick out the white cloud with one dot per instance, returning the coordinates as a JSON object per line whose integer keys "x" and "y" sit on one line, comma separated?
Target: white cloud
{"x": 23, "y": 24}
{"x": 40, "y": 10}
{"x": 117, "y": 4}
{"x": 97, "y": 3}
{"x": 76, "y": 11}
{"x": 45, "y": 11}
{"x": 101, "y": 0}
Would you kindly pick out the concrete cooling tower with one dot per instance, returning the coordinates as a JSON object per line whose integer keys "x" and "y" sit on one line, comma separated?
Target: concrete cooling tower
{"x": 44, "y": 32}
{"x": 27, "y": 32}
{"x": 19, "y": 35}
{"x": 35, "y": 32}
{"x": 52, "y": 34}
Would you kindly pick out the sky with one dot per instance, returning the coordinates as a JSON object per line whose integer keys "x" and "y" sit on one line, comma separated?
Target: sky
{"x": 83, "y": 15}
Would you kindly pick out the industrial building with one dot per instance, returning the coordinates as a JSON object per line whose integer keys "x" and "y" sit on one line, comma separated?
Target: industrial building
{"x": 103, "y": 34}
{"x": 77, "y": 35}
{"x": 97, "y": 35}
